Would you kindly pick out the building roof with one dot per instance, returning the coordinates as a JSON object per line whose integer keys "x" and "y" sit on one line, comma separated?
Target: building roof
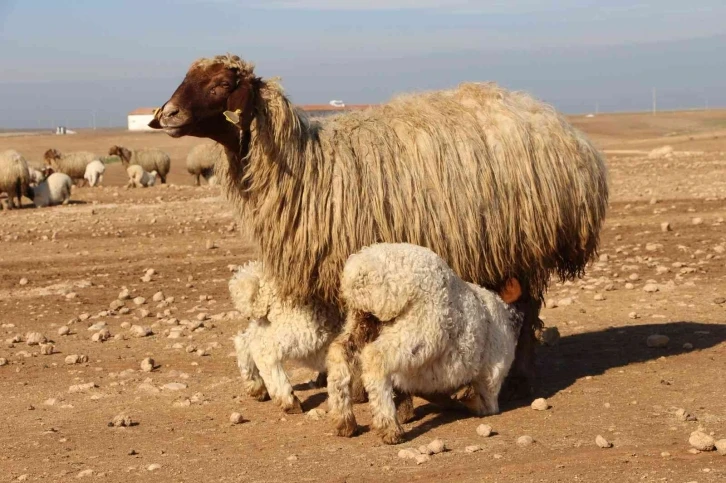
{"x": 148, "y": 111}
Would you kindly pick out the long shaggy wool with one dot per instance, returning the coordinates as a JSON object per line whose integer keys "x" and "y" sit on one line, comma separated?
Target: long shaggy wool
{"x": 14, "y": 175}
{"x": 495, "y": 182}
{"x": 203, "y": 158}
{"x": 73, "y": 164}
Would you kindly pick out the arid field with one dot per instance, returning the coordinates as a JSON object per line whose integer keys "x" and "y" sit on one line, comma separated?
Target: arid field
{"x": 661, "y": 271}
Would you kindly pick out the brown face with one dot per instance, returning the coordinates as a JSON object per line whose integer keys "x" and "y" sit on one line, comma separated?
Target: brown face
{"x": 199, "y": 101}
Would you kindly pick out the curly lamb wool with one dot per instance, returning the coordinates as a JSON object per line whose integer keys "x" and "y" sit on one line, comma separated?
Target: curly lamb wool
{"x": 435, "y": 333}
{"x": 94, "y": 172}
{"x": 138, "y": 178}
{"x": 278, "y": 331}
{"x": 14, "y": 176}
{"x": 151, "y": 159}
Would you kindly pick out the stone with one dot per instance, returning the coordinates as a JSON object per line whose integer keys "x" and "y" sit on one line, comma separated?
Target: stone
{"x": 650, "y": 288}
{"x": 139, "y": 300}
{"x": 153, "y": 467}
{"x": 437, "y": 446}
{"x": 158, "y": 297}
{"x": 120, "y": 421}
{"x": 683, "y": 415}
{"x": 316, "y": 414}
{"x": 525, "y": 440}
{"x": 64, "y": 330}
{"x": 174, "y": 386}
{"x": 141, "y": 331}
{"x": 147, "y": 365}
{"x": 665, "y": 227}
{"x": 236, "y": 418}
{"x": 35, "y": 338}
{"x": 721, "y": 446}
{"x": 408, "y": 453}
{"x": 602, "y": 442}
{"x": 116, "y": 304}
{"x": 473, "y": 448}
{"x": 697, "y": 221}
{"x": 657, "y": 341}
{"x": 540, "y": 404}
{"x": 701, "y": 441}
{"x": 484, "y": 430}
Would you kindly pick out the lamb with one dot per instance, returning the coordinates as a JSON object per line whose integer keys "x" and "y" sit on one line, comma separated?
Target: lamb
{"x": 53, "y": 190}
{"x": 201, "y": 161}
{"x": 433, "y": 333}
{"x": 73, "y": 164}
{"x": 278, "y": 331}
{"x": 448, "y": 170}
{"x": 14, "y": 176}
{"x": 138, "y": 178}
{"x": 36, "y": 176}
{"x": 94, "y": 172}
{"x": 151, "y": 159}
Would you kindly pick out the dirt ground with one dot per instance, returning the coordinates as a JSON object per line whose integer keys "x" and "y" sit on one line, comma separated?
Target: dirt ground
{"x": 600, "y": 378}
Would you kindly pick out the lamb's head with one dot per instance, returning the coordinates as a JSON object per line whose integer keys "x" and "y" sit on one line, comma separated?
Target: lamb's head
{"x": 212, "y": 88}
{"x": 51, "y": 156}
{"x": 123, "y": 153}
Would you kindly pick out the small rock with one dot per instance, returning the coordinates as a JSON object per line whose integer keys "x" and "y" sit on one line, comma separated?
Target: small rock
{"x": 210, "y": 245}
{"x": 565, "y": 302}
{"x": 158, "y": 297}
{"x": 629, "y": 286}
{"x": 437, "y": 446}
{"x": 34, "y": 338}
{"x": 721, "y": 446}
{"x": 683, "y": 415}
{"x": 64, "y": 330}
{"x": 84, "y": 473}
{"x": 697, "y": 221}
{"x": 75, "y": 359}
{"x": 46, "y": 349}
{"x": 484, "y": 430}
{"x": 174, "y": 386}
{"x": 423, "y": 449}
{"x": 665, "y": 227}
{"x": 687, "y": 346}
{"x": 147, "y": 365}
{"x": 121, "y": 421}
{"x": 633, "y": 315}
{"x": 650, "y": 288}
{"x": 97, "y": 326}
{"x": 473, "y": 448}
{"x": 292, "y": 457}
{"x": 143, "y": 313}
{"x": 150, "y": 272}
{"x": 719, "y": 300}
{"x": 525, "y": 440}
{"x": 3, "y": 361}
{"x": 701, "y": 441}
{"x": 236, "y": 418}
{"x": 71, "y": 295}
{"x": 316, "y": 414}
{"x": 23, "y": 281}
{"x": 139, "y": 300}
{"x": 141, "y": 331}
{"x": 101, "y": 336}
{"x": 634, "y": 277}
{"x": 124, "y": 295}
{"x": 116, "y": 304}
{"x": 599, "y": 297}
{"x": 540, "y": 404}
{"x": 153, "y": 467}
{"x": 604, "y": 257}
{"x": 602, "y": 442}
{"x": 81, "y": 387}
{"x": 657, "y": 340}
{"x": 408, "y": 453}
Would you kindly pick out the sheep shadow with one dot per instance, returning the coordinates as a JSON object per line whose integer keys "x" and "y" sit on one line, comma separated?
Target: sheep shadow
{"x": 589, "y": 354}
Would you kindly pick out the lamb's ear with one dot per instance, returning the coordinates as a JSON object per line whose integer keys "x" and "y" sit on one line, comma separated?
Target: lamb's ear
{"x": 156, "y": 123}
{"x": 511, "y": 292}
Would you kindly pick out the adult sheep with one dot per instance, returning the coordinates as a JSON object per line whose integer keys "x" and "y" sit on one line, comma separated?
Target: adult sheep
{"x": 151, "y": 159}
{"x": 14, "y": 176}
{"x": 73, "y": 164}
{"x": 201, "y": 161}
{"x": 496, "y": 183}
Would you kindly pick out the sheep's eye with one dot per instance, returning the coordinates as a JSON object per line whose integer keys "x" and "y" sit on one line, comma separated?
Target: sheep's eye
{"x": 225, "y": 85}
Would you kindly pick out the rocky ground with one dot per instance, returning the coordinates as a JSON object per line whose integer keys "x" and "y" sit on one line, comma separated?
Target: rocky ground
{"x": 117, "y": 365}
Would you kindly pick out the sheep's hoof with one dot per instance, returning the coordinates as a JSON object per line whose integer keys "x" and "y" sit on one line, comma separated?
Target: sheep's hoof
{"x": 258, "y": 392}
{"x": 294, "y": 408}
{"x": 392, "y": 434}
{"x": 346, "y": 426}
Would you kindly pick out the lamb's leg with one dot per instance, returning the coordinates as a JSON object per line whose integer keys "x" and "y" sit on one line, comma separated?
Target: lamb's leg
{"x": 339, "y": 361}
{"x": 519, "y": 383}
{"x": 253, "y": 383}
{"x": 376, "y": 374}
{"x": 404, "y": 406}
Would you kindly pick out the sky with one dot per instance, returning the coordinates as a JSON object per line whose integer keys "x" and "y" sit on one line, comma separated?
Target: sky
{"x": 70, "y": 62}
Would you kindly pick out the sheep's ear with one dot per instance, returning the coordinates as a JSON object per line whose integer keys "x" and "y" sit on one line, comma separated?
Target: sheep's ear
{"x": 155, "y": 123}
{"x": 511, "y": 292}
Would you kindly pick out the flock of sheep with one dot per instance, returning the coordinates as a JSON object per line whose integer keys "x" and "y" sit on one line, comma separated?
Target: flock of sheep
{"x": 50, "y": 184}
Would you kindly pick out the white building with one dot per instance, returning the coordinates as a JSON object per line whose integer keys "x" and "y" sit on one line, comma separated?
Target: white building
{"x": 139, "y": 119}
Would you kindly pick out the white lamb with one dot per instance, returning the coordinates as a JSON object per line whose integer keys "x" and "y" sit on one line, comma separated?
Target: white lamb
{"x": 278, "y": 331}
{"x": 138, "y": 178}
{"x": 94, "y": 172}
{"x": 435, "y": 335}
{"x": 54, "y": 190}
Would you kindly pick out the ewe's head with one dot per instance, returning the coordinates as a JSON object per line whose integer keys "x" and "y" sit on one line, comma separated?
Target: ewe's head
{"x": 121, "y": 152}
{"x": 51, "y": 155}
{"x": 211, "y": 87}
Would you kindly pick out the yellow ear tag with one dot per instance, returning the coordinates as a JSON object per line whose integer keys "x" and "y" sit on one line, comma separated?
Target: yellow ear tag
{"x": 233, "y": 117}
{"x": 156, "y": 111}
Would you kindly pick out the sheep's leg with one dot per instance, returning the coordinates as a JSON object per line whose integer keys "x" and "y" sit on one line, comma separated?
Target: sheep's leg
{"x": 253, "y": 383}
{"x": 276, "y": 380}
{"x": 519, "y": 383}
{"x": 376, "y": 374}
{"x": 163, "y": 178}
{"x": 339, "y": 362}
{"x": 404, "y": 406}
{"x": 18, "y": 193}
{"x": 196, "y": 180}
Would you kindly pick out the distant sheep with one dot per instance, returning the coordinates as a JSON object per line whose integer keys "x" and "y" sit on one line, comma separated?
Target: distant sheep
{"x": 73, "y": 164}
{"x": 14, "y": 176}
{"x": 54, "y": 190}
{"x": 138, "y": 178}
{"x": 36, "y": 176}
{"x": 430, "y": 333}
{"x": 94, "y": 172}
{"x": 278, "y": 331}
{"x": 202, "y": 159}
{"x": 150, "y": 159}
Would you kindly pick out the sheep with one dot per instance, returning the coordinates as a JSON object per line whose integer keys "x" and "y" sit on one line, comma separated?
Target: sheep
{"x": 73, "y": 164}
{"x": 448, "y": 170}
{"x": 138, "y": 178}
{"x": 201, "y": 161}
{"x": 14, "y": 176}
{"x": 278, "y": 331}
{"x": 94, "y": 172}
{"x": 53, "y": 190}
{"x": 151, "y": 159}
{"x": 433, "y": 333}
{"x": 36, "y": 176}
